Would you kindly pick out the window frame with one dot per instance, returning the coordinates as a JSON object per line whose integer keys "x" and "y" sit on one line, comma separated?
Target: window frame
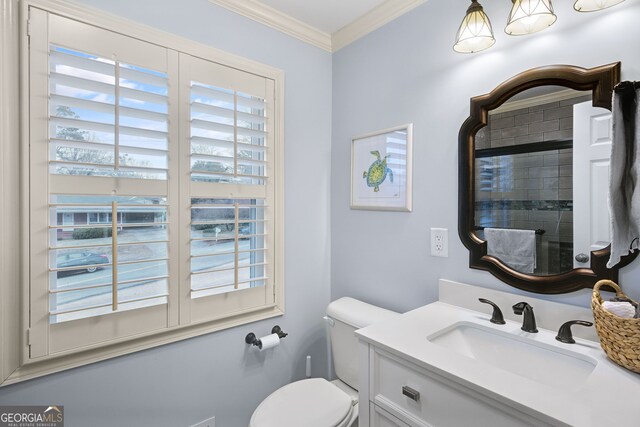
{"x": 15, "y": 362}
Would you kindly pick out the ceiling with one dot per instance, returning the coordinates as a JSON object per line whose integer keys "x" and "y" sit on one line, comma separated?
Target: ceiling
{"x": 326, "y": 15}
{"x": 327, "y": 24}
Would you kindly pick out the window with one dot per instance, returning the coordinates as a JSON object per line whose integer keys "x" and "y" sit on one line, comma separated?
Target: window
{"x": 100, "y": 217}
{"x": 230, "y": 196}
{"x": 153, "y": 191}
{"x": 106, "y": 117}
{"x": 110, "y": 266}
{"x": 228, "y": 251}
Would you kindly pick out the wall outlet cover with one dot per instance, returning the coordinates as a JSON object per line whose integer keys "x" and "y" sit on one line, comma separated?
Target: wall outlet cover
{"x": 440, "y": 242}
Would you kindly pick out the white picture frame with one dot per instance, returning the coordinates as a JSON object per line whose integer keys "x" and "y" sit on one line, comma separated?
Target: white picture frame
{"x": 381, "y": 170}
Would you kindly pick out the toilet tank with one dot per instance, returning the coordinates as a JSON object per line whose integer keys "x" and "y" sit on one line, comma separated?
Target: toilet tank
{"x": 349, "y": 314}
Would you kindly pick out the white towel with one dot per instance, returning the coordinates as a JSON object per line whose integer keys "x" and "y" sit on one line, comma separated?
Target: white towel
{"x": 620, "y": 309}
{"x": 516, "y": 248}
{"x": 624, "y": 191}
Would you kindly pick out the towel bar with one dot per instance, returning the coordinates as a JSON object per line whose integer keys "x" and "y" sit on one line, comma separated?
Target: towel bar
{"x": 538, "y": 231}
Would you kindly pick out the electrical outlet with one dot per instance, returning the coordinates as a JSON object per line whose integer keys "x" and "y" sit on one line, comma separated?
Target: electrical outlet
{"x": 210, "y": 422}
{"x": 440, "y": 242}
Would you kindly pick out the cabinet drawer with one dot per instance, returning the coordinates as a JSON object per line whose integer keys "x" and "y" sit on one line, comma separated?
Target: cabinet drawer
{"x": 422, "y": 398}
{"x": 381, "y": 418}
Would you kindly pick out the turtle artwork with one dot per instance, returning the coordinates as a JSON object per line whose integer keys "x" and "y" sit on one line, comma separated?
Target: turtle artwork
{"x": 378, "y": 172}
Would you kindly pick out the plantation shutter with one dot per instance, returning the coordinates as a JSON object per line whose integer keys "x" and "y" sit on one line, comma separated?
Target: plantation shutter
{"x": 228, "y": 190}
{"x": 154, "y": 192}
{"x": 100, "y": 189}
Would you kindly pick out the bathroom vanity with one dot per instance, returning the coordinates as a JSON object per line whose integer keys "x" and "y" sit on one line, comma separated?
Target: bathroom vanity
{"x": 447, "y": 365}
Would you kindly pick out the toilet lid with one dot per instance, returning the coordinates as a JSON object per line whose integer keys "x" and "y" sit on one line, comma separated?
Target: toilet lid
{"x": 312, "y": 402}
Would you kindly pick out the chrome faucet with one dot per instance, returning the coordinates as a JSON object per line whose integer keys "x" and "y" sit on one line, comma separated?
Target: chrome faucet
{"x": 529, "y": 323}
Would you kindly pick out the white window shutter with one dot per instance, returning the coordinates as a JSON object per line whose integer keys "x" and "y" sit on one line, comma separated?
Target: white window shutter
{"x": 229, "y": 195}
{"x": 99, "y": 196}
{"x": 155, "y": 192}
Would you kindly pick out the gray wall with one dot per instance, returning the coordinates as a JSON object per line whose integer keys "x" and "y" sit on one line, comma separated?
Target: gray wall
{"x": 217, "y": 374}
{"x": 406, "y": 72}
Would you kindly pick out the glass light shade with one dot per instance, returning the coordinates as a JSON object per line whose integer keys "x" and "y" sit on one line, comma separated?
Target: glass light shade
{"x": 529, "y": 16}
{"x": 593, "y": 5}
{"x": 475, "y": 32}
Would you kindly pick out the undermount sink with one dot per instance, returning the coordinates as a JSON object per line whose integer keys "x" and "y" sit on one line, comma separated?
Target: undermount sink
{"x": 541, "y": 362}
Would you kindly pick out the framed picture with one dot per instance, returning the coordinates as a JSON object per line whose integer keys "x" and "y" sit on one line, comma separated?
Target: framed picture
{"x": 381, "y": 170}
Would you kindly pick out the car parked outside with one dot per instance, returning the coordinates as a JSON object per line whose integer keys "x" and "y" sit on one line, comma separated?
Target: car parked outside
{"x": 79, "y": 259}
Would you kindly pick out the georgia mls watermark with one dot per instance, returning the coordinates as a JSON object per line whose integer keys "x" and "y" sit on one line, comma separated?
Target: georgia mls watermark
{"x": 32, "y": 416}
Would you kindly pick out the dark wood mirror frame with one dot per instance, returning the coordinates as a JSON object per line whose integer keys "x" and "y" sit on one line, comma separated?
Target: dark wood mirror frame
{"x": 600, "y": 81}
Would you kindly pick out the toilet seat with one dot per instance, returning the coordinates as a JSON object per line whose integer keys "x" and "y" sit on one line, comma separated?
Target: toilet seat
{"x": 312, "y": 402}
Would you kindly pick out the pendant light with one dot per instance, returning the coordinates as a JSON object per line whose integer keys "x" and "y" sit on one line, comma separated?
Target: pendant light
{"x": 529, "y": 16}
{"x": 593, "y": 5}
{"x": 475, "y": 32}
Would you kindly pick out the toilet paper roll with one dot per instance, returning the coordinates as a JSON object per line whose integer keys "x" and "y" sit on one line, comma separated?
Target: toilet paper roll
{"x": 269, "y": 341}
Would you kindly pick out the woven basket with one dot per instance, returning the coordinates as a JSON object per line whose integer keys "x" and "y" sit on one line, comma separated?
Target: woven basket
{"x": 619, "y": 337}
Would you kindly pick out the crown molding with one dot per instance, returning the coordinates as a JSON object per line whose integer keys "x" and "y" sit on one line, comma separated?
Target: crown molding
{"x": 371, "y": 21}
{"x": 277, "y": 20}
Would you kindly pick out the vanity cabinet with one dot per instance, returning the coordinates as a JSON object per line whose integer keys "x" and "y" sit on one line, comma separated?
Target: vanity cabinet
{"x": 380, "y": 418}
{"x": 401, "y": 393}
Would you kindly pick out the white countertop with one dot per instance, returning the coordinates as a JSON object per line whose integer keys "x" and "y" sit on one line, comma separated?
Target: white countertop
{"x": 609, "y": 397}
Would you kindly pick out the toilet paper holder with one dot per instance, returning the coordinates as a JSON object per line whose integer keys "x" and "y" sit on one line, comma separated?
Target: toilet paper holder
{"x": 251, "y": 338}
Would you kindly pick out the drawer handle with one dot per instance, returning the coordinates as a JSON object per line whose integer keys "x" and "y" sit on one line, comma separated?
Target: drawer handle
{"x": 411, "y": 393}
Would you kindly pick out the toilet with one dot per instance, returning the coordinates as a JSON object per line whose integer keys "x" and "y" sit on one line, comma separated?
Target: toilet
{"x": 316, "y": 402}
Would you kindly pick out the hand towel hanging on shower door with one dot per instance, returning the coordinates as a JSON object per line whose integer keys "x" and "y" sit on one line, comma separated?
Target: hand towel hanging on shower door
{"x": 624, "y": 191}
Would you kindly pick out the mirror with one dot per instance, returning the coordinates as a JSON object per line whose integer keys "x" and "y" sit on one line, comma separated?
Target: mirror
{"x": 524, "y": 180}
{"x": 534, "y": 177}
